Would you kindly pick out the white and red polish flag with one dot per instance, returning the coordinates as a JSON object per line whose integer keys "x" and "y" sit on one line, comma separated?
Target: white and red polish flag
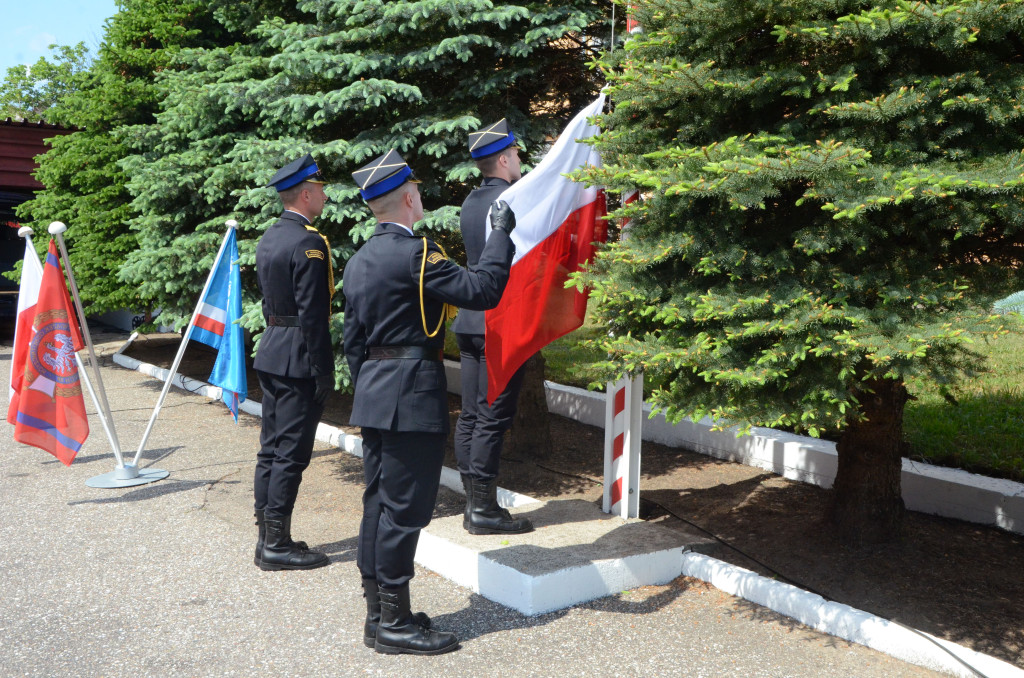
{"x": 558, "y": 225}
{"x": 28, "y": 295}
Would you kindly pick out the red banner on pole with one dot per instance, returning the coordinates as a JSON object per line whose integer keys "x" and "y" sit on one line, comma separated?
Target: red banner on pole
{"x": 50, "y": 411}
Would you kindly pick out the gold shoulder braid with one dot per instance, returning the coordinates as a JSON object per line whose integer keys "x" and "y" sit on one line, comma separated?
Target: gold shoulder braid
{"x": 330, "y": 263}
{"x": 448, "y": 311}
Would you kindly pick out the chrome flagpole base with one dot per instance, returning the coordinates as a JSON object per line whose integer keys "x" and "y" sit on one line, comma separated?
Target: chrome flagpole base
{"x": 128, "y": 475}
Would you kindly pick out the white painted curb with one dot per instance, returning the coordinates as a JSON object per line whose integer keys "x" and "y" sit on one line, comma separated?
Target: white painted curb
{"x": 835, "y": 619}
{"x": 935, "y": 490}
{"x": 846, "y": 622}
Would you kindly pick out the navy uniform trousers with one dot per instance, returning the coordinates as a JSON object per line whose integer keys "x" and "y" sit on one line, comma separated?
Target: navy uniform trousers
{"x": 401, "y": 403}
{"x": 290, "y": 417}
{"x": 480, "y": 430}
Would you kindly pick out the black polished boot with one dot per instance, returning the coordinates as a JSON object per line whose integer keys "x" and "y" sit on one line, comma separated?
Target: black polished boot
{"x": 467, "y": 485}
{"x": 486, "y": 516}
{"x": 262, "y": 537}
{"x": 399, "y": 631}
{"x": 372, "y": 595}
{"x": 281, "y": 553}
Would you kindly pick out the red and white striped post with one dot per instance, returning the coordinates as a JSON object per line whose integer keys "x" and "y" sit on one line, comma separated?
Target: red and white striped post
{"x": 628, "y": 197}
{"x": 623, "y": 417}
{"x": 633, "y": 26}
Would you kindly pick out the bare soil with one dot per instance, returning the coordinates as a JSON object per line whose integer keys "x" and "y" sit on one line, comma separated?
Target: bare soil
{"x": 955, "y": 580}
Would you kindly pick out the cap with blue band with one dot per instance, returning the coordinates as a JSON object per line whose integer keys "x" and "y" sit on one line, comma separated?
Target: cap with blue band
{"x": 383, "y": 175}
{"x": 294, "y": 173}
{"x": 490, "y": 140}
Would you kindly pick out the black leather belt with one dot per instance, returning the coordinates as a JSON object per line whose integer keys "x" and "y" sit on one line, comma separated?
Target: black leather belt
{"x": 406, "y": 352}
{"x": 283, "y": 321}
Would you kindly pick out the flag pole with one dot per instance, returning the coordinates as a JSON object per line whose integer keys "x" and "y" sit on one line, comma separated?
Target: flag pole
{"x": 231, "y": 224}
{"x": 123, "y": 475}
{"x": 57, "y": 229}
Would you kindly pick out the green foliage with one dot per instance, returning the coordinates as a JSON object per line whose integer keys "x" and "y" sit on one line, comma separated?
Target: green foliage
{"x": 833, "y": 196}
{"x": 85, "y": 184}
{"x": 345, "y": 80}
{"x": 30, "y": 92}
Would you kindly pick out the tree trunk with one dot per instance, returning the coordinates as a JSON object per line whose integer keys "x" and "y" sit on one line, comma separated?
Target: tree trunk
{"x": 530, "y": 437}
{"x": 867, "y": 504}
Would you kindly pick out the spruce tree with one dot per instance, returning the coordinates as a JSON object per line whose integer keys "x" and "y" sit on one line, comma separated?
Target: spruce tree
{"x": 832, "y": 199}
{"x": 345, "y": 80}
{"x": 85, "y": 185}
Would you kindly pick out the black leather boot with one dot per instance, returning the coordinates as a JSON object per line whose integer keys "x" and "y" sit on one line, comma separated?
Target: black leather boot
{"x": 486, "y": 516}
{"x": 467, "y": 485}
{"x": 372, "y": 595}
{"x": 399, "y": 631}
{"x": 262, "y": 537}
{"x": 281, "y": 553}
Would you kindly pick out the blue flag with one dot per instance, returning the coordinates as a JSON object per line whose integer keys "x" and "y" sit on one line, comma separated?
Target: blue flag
{"x": 217, "y": 326}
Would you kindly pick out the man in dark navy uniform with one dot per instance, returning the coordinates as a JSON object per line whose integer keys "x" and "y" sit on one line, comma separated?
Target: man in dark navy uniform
{"x": 399, "y": 288}
{"x": 294, "y": 361}
{"x": 480, "y": 430}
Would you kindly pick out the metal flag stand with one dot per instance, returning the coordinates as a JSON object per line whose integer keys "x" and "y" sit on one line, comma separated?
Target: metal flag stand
{"x": 231, "y": 224}
{"x": 124, "y": 475}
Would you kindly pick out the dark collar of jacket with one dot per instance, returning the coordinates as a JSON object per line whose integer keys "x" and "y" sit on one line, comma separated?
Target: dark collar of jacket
{"x": 494, "y": 181}
{"x": 385, "y": 227}
{"x": 288, "y": 215}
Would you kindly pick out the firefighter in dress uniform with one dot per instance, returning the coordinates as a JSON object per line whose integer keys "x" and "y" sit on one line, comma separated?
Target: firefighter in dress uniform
{"x": 399, "y": 288}
{"x": 480, "y": 430}
{"x": 294, "y": 362}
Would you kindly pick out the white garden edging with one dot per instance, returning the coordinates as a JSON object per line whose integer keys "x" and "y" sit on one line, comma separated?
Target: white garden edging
{"x": 935, "y": 490}
{"x": 843, "y": 621}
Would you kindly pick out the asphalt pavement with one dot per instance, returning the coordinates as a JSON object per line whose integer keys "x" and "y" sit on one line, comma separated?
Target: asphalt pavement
{"x": 158, "y": 580}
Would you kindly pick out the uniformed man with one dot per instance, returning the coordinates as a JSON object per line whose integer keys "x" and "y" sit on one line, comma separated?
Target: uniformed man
{"x": 480, "y": 430}
{"x": 399, "y": 288}
{"x": 294, "y": 361}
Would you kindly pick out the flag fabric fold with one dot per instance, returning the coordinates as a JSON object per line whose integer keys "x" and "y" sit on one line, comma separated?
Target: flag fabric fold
{"x": 28, "y": 294}
{"x": 216, "y": 326}
{"x": 49, "y": 409}
{"x": 558, "y": 224}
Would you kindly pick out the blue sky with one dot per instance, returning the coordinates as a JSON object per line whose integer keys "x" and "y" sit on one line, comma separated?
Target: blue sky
{"x": 27, "y": 27}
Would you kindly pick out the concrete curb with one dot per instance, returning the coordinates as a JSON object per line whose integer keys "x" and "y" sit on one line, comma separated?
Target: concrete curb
{"x": 843, "y": 621}
{"x": 833, "y": 618}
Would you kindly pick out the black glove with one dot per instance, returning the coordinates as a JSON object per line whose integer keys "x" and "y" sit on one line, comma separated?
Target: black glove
{"x": 502, "y": 216}
{"x": 324, "y": 388}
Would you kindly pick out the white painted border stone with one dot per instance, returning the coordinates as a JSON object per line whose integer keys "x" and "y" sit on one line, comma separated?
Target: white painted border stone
{"x": 846, "y": 622}
{"x": 507, "y": 586}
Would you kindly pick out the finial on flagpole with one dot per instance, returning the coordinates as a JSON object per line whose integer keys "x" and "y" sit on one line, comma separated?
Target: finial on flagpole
{"x": 25, "y": 231}
{"x": 57, "y": 227}
{"x": 231, "y": 223}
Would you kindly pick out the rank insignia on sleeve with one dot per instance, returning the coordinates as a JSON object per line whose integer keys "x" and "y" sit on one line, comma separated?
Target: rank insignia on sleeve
{"x": 314, "y": 254}
{"x": 436, "y": 258}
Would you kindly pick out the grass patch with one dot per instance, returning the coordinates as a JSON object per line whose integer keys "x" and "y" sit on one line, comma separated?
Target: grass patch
{"x": 983, "y": 432}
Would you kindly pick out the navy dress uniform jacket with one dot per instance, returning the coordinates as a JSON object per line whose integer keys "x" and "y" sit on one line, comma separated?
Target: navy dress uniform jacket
{"x": 382, "y": 291}
{"x": 473, "y": 224}
{"x": 293, "y": 270}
